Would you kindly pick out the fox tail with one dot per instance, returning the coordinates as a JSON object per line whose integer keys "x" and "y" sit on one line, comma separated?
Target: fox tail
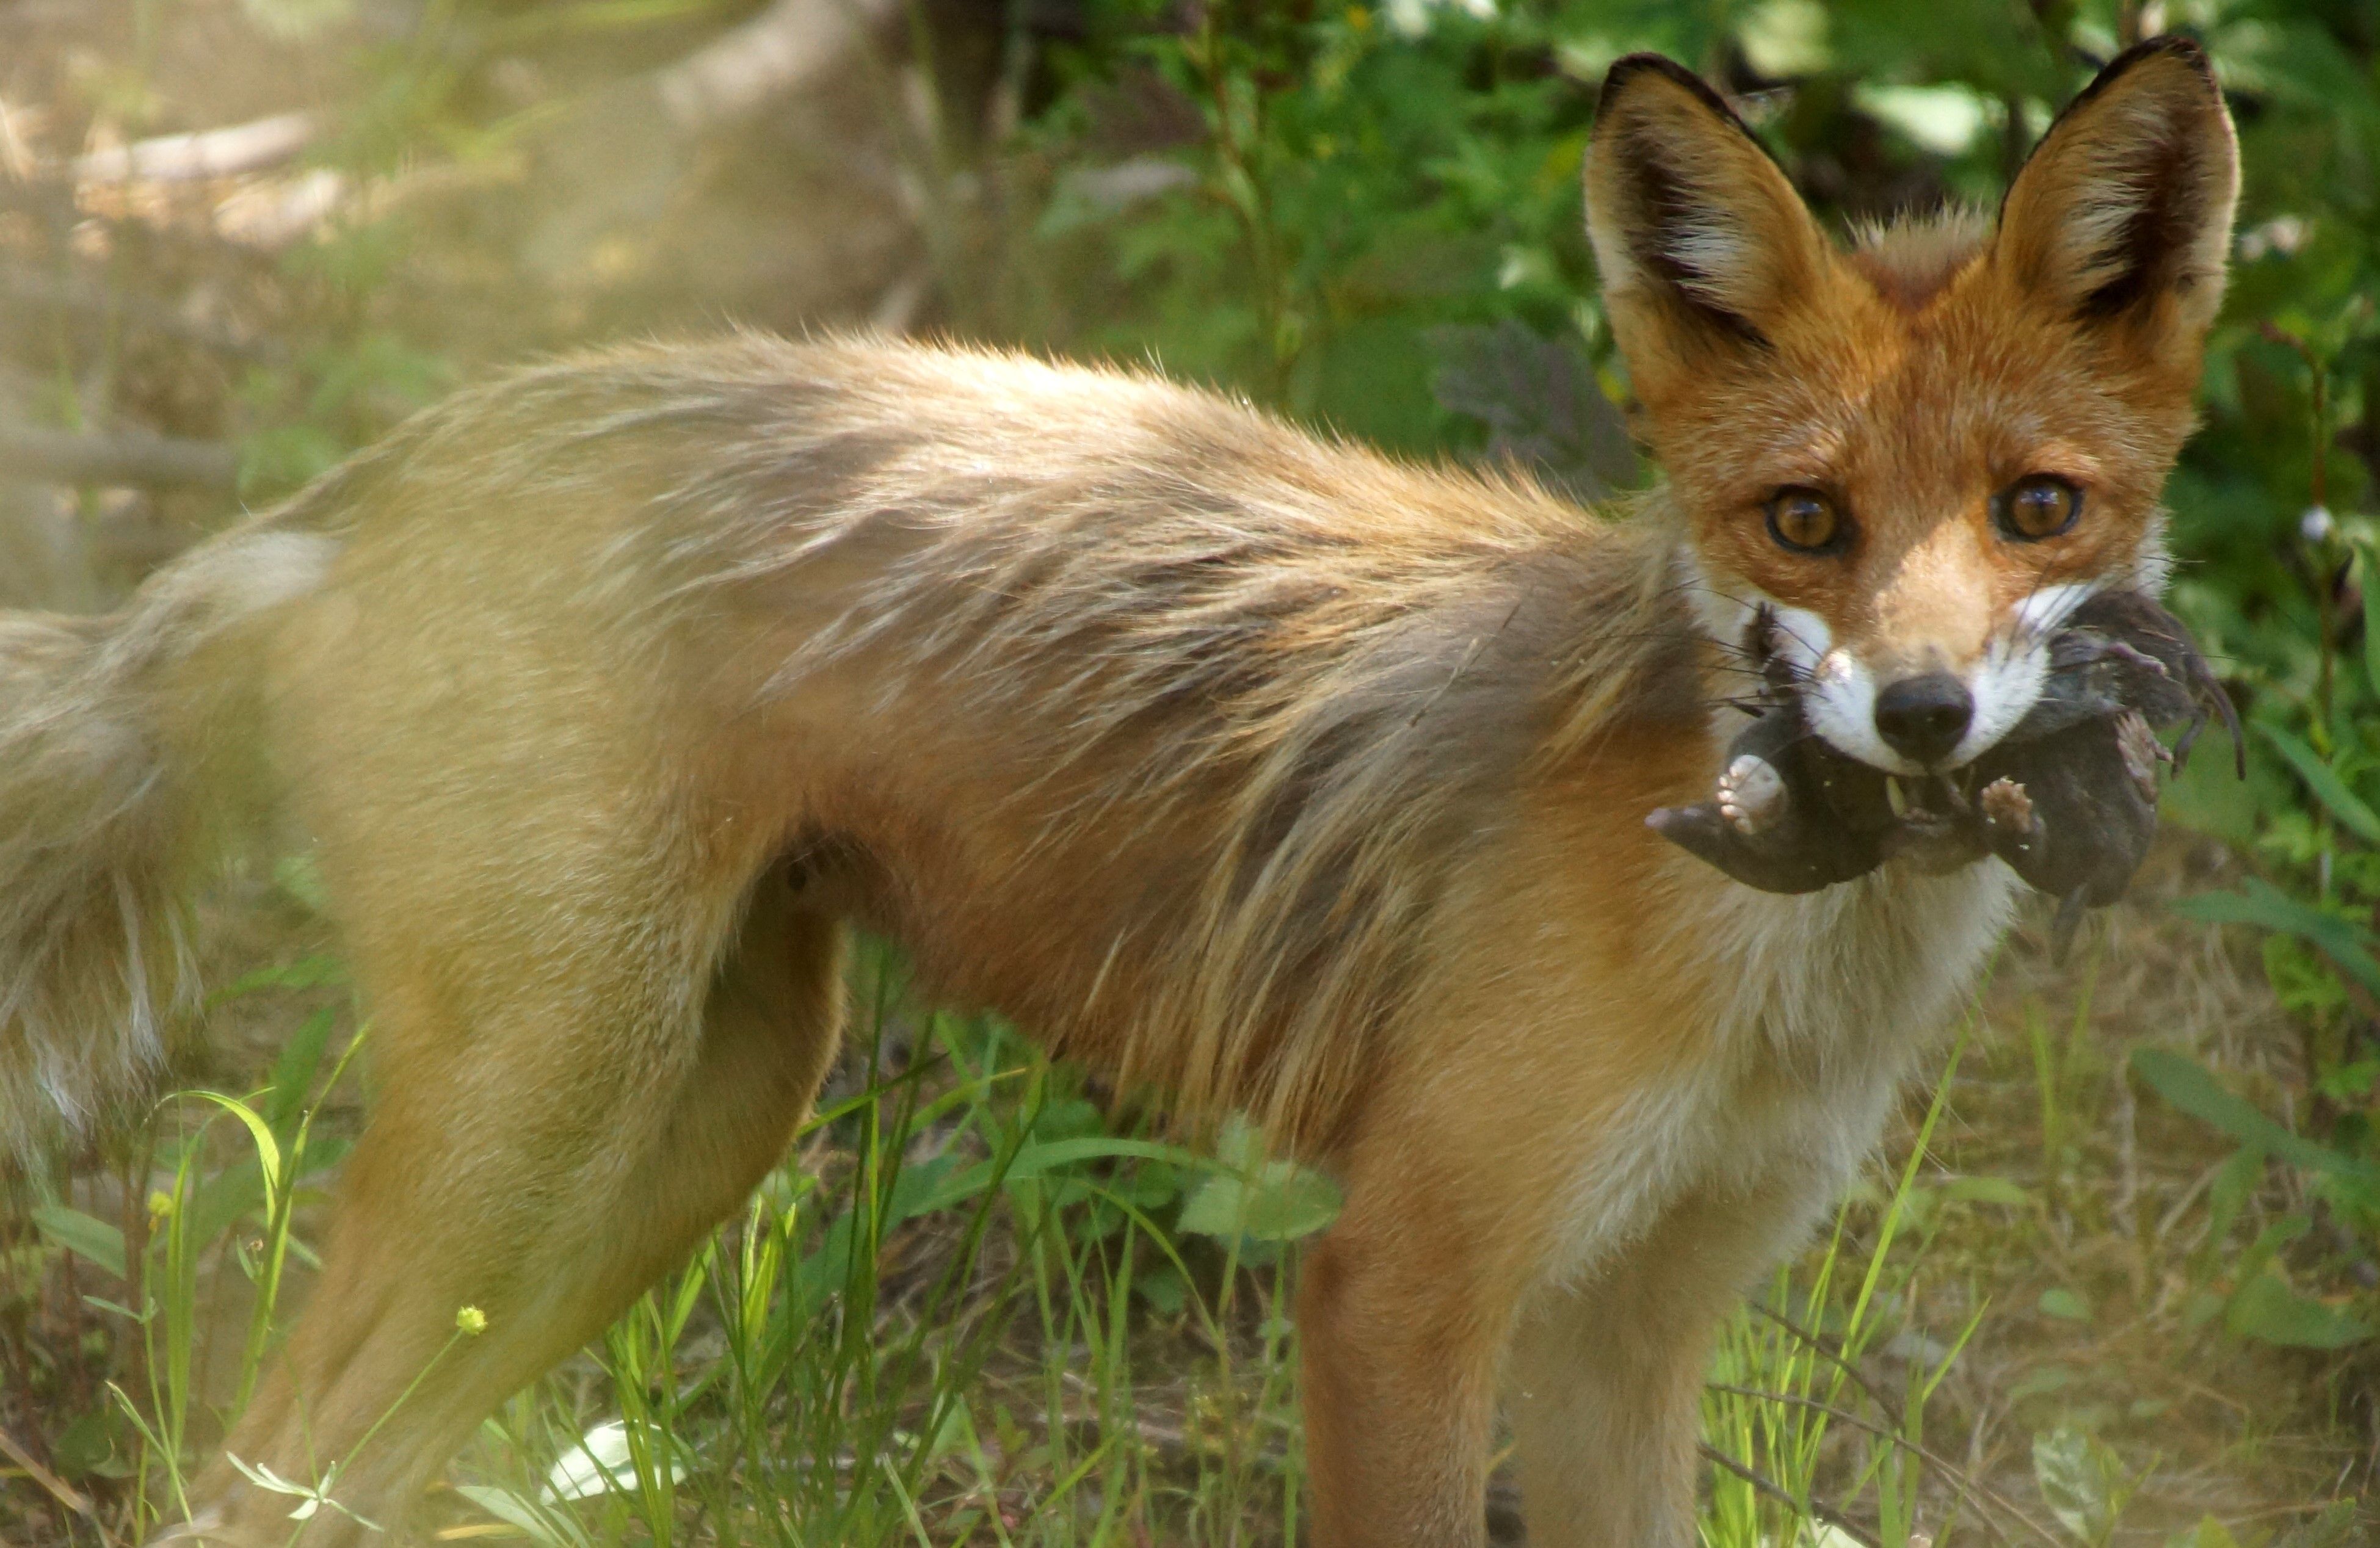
{"x": 116, "y": 733}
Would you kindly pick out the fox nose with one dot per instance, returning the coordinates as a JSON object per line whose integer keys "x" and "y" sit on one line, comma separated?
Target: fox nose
{"x": 1922, "y": 718}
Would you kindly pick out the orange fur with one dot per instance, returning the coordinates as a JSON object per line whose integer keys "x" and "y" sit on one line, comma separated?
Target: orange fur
{"x": 1263, "y": 769}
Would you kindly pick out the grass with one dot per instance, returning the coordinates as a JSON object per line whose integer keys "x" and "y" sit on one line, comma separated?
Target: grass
{"x": 975, "y": 1306}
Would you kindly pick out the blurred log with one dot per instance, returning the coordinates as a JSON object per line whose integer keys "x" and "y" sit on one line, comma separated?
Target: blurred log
{"x": 45, "y": 558}
{"x": 786, "y": 47}
{"x": 114, "y": 459}
{"x": 23, "y": 291}
{"x": 193, "y": 158}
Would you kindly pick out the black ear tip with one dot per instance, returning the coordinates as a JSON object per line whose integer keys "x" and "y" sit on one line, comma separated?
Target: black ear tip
{"x": 1632, "y": 64}
{"x": 2167, "y": 45}
{"x": 1629, "y": 67}
{"x": 2177, "y": 46}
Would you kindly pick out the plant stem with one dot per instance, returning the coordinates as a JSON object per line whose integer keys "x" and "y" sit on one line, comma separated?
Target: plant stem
{"x": 1245, "y": 192}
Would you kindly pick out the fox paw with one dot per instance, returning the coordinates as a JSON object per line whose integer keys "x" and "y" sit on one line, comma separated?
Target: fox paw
{"x": 1752, "y": 796}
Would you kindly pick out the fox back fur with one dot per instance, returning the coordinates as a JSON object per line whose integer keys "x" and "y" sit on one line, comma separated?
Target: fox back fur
{"x": 1260, "y": 768}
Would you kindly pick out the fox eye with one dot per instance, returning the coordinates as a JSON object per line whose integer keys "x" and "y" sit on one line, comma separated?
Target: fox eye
{"x": 2042, "y": 505}
{"x": 1804, "y": 520}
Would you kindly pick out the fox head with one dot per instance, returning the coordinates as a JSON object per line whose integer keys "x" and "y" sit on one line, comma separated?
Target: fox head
{"x": 1902, "y": 463}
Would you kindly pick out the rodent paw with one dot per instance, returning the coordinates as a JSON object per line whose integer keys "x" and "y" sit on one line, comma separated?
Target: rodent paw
{"x": 1752, "y": 796}
{"x": 2008, "y": 806}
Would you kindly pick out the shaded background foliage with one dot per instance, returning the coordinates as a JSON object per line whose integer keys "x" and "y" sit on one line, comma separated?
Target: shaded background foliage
{"x": 1366, "y": 216}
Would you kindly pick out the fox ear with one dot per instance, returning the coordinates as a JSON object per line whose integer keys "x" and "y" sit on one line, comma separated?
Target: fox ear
{"x": 1700, "y": 241}
{"x": 2123, "y": 212}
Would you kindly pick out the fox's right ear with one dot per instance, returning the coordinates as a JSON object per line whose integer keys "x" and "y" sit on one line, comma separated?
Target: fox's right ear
{"x": 1703, "y": 244}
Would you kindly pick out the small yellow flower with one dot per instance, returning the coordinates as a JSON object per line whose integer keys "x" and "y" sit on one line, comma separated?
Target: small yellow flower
{"x": 160, "y": 1204}
{"x": 471, "y": 1319}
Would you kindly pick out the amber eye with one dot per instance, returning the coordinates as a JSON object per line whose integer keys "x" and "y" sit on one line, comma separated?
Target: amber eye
{"x": 2040, "y": 506}
{"x": 1806, "y": 521}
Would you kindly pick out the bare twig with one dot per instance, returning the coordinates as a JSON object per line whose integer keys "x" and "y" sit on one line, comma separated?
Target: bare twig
{"x": 1832, "y": 1356}
{"x": 59, "y": 1489}
{"x": 1960, "y": 1479}
{"x": 117, "y": 458}
{"x": 195, "y": 158}
{"x": 1776, "y": 1490}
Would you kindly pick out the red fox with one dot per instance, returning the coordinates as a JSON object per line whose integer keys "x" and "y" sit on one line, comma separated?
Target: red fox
{"x": 1269, "y": 771}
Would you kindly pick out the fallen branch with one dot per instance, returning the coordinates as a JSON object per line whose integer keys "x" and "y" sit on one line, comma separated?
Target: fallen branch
{"x": 59, "y": 1489}
{"x": 116, "y": 459}
{"x": 777, "y": 52}
{"x": 195, "y": 158}
{"x": 75, "y": 299}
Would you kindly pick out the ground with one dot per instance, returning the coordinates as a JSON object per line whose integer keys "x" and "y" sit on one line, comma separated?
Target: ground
{"x": 2059, "y": 1208}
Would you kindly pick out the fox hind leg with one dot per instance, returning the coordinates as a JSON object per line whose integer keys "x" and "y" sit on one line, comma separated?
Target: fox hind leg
{"x": 544, "y": 1173}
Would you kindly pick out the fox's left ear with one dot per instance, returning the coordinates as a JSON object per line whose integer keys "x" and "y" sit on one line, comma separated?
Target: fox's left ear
{"x": 2123, "y": 213}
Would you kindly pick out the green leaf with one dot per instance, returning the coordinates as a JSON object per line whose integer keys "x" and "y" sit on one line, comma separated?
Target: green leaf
{"x": 2267, "y": 1309}
{"x": 2041, "y": 1380}
{"x": 2060, "y": 1301}
{"x": 91, "y": 1446}
{"x": 2324, "y": 780}
{"x": 220, "y": 1202}
{"x": 304, "y": 973}
{"x": 1163, "y": 1287}
{"x": 2235, "y": 1181}
{"x": 1987, "y": 1190}
{"x": 2262, "y": 906}
{"x": 2080, "y": 1480}
{"x": 86, "y": 1236}
{"x": 2187, "y": 1084}
{"x": 298, "y": 875}
{"x": 2208, "y": 1533}
{"x": 1540, "y": 402}
{"x": 2371, "y": 614}
{"x": 117, "y": 1308}
{"x": 292, "y": 1073}
{"x": 297, "y": 18}
{"x": 1281, "y": 1202}
{"x": 268, "y": 1149}
{"x": 1032, "y": 1160}
{"x": 2334, "y": 1527}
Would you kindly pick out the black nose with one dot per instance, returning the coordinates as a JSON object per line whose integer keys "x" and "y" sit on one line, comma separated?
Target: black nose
{"x": 1923, "y": 718}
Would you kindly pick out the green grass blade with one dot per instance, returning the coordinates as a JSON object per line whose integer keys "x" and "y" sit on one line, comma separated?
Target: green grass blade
{"x": 2324, "y": 780}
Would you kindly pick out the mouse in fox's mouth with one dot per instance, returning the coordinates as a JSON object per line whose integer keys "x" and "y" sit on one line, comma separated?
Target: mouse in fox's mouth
{"x": 2068, "y": 797}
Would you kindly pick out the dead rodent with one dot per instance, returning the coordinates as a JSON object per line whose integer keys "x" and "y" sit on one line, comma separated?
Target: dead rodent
{"x": 2068, "y": 797}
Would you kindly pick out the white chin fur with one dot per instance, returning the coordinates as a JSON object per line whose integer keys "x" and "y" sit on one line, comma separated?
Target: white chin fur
{"x": 1839, "y": 698}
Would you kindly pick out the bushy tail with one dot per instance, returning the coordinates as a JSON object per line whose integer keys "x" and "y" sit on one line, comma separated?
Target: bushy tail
{"x": 110, "y": 741}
